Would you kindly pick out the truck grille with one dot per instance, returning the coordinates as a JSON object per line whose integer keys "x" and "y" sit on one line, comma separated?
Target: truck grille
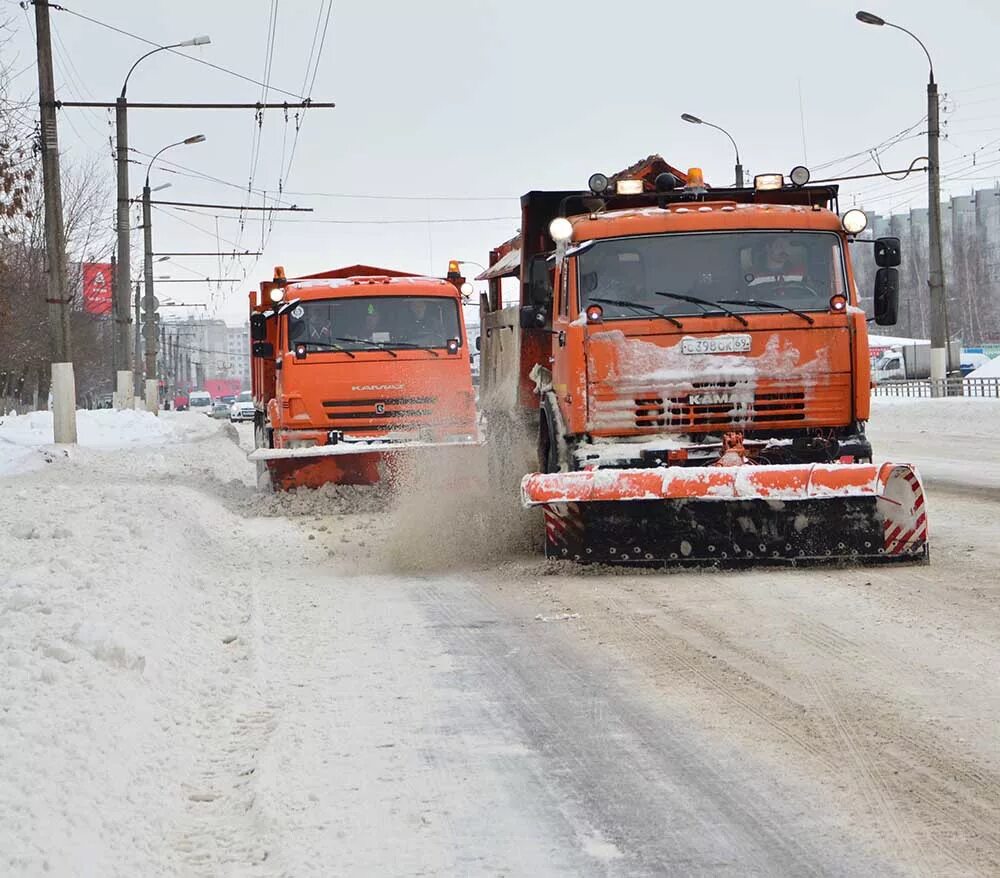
{"x": 718, "y": 405}
{"x": 715, "y": 404}
{"x": 399, "y": 412}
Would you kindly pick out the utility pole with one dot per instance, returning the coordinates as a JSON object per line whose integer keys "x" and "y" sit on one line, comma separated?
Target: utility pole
{"x": 114, "y": 322}
{"x": 136, "y": 374}
{"x": 60, "y": 343}
{"x": 152, "y": 391}
{"x": 125, "y": 395}
{"x": 939, "y": 311}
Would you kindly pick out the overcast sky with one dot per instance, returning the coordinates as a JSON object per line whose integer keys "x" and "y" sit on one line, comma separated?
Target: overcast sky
{"x": 478, "y": 101}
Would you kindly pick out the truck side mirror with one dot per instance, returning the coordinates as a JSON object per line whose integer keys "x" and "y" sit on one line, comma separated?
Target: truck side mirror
{"x": 532, "y": 317}
{"x": 886, "y": 296}
{"x": 263, "y": 349}
{"x": 887, "y": 252}
{"x": 479, "y": 342}
{"x": 258, "y": 327}
{"x": 539, "y": 281}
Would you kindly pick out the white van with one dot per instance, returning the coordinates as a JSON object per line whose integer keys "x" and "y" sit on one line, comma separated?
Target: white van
{"x": 200, "y": 400}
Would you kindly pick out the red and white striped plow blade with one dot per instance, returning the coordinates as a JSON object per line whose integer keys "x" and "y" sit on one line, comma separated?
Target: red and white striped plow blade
{"x": 903, "y": 508}
{"x": 792, "y": 482}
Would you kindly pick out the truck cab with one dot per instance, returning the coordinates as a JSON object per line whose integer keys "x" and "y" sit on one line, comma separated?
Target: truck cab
{"x": 650, "y": 325}
{"x": 352, "y": 365}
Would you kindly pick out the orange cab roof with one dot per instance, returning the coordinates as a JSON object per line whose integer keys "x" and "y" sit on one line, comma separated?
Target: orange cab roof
{"x": 322, "y": 287}
{"x": 702, "y": 216}
{"x": 356, "y": 271}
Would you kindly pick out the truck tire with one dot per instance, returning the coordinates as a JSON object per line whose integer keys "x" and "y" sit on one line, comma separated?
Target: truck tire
{"x": 550, "y": 442}
{"x": 262, "y": 439}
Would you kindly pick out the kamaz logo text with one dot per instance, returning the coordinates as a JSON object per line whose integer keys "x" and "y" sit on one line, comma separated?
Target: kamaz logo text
{"x": 377, "y": 387}
{"x": 718, "y": 398}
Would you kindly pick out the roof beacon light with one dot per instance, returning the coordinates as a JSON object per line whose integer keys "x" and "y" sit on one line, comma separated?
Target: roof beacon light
{"x": 598, "y": 183}
{"x": 768, "y": 182}
{"x": 560, "y": 230}
{"x": 854, "y": 221}
{"x": 629, "y": 187}
{"x": 799, "y": 175}
{"x": 696, "y": 179}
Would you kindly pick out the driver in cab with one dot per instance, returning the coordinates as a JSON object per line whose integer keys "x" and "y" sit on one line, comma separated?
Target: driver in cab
{"x": 781, "y": 259}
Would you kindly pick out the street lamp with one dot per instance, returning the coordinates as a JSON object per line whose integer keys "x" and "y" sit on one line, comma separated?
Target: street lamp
{"x": 152, "y": 386}
{"x": 935, "y": 280}
{"x": 123, "y": 278}
{"x": 694, "y": 120}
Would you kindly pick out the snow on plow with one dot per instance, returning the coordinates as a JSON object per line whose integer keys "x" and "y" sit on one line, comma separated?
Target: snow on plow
{"x": 359, "y": 463}
{"x": 733, "y": 515}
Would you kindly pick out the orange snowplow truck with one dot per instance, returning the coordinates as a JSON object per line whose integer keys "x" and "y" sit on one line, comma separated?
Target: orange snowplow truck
{"x": 692, "y": 363}
{"x": 354, "y": 370}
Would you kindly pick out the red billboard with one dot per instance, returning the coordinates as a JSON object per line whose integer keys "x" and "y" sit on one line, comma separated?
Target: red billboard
{"x": 97, "y": 287}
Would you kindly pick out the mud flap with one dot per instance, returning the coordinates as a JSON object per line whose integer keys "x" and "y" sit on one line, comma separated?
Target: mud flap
{"x": 855, "y": 513}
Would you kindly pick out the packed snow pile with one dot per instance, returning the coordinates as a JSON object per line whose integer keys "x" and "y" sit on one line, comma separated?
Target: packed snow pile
{"x": 990, "y": 369}
{"x": 26, "y": 440}
{"x": 949, "y": 416}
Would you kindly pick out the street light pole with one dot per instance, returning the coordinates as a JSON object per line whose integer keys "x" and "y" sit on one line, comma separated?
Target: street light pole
{"x": 152, "y": 381}
{"x": 694, "y": 120}
{"x": 935, "y": 269}
{"x": 123, "y": 287}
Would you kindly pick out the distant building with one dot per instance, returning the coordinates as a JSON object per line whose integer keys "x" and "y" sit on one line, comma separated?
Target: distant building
{"x": 195, "y": 350}
{"x": 970, "y": 244}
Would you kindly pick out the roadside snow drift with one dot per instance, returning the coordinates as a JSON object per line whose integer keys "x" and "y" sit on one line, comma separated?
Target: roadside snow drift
{"x": 26, "y": 440}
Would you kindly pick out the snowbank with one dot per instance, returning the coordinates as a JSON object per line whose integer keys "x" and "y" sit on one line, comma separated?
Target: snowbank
{"x": 119, "y": 655}
{"x": 951, "y": 416}
{"x": 987, "y": 370}
{"x": 26, "y": 440}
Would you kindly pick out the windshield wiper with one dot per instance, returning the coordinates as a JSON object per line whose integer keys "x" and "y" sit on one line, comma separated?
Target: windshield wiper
{"x": 705, "y": 305}
{"x": 366, "y": 341}
{"x": 327, "y": 344}
{"x": 638, "y": 306}
{"x": 760, "y": 303}
{"x": 382, "y": 346}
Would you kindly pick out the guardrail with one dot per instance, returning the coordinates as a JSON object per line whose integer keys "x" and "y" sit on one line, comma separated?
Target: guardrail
{"x": 955, "y": 386}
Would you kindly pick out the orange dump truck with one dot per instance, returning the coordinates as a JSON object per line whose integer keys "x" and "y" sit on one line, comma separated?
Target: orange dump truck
{"x": 354, "y": 370}
{"x": 692, "y": 365}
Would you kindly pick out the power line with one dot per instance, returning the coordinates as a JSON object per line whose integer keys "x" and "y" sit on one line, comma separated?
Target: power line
{"x": 126, "y": 33}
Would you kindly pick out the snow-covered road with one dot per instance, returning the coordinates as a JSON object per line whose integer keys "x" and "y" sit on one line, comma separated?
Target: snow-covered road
{"x": 196, "y": 679}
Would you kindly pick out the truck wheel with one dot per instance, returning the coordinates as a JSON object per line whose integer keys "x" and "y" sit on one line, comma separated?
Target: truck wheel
{"x": 549, "y": 442}
{"x": 265, "y": 484}
{"x": 548, "y": 456}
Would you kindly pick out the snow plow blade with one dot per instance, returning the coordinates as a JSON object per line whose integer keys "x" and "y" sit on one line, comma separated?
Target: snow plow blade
{"x": 358, "y": 463}
{"x": 733, "y": 516}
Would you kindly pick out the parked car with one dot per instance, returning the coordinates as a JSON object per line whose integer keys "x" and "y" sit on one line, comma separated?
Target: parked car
{"x": 242, "y": 409}
{"x": 200, "y": 400}
{"x": 219, "y": 410}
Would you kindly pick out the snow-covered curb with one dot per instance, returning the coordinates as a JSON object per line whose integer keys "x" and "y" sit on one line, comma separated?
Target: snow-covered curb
{"x": 26, "y": 440}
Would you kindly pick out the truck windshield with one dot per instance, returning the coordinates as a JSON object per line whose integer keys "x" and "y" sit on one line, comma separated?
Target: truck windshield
{"x": 748, "y": 271}
{"x": 373, "y": 322}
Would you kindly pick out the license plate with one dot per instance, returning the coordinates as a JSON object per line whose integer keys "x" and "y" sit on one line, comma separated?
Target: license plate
{"x": 720, "y": 344}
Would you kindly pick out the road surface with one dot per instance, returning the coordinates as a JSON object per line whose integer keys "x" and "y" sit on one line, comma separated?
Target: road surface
{"x": 332, "y": 683}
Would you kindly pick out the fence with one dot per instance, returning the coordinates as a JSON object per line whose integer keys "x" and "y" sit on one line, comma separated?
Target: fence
{"x": 925, "y": 387}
